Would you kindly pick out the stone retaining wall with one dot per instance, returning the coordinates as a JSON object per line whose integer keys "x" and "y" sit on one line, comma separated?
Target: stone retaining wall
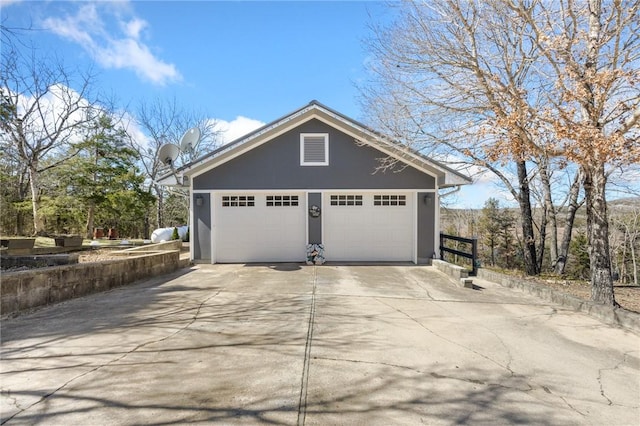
{"x": 455, "y": 272}
{"x": 616, "y": 316}
{"x": 23, "y": 290}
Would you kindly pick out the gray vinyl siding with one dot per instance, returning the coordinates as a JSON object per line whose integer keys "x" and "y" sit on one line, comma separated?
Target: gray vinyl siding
{"x": 315, "y": 223}
{"x": 426, "y": 231}
{"x": 201, "y": 232}
{"x": 276, "y": 165}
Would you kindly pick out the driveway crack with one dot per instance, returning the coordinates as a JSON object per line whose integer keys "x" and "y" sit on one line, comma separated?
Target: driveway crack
{"x": 422, "y": 287}
{"x": 615, "y": 367}
{"x": 304, "y": 382}
{"x": 572, "y": 407}
{"x": 506, "y": 367}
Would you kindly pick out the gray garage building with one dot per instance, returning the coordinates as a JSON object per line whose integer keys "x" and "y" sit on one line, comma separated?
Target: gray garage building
{"x": 314, "y": 177}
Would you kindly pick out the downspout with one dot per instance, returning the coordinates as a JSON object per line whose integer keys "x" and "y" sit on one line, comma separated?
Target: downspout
{"x": 458, "y": 188}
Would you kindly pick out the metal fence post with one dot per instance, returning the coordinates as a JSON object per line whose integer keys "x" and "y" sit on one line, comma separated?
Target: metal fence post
{"x": 474, "y": 253}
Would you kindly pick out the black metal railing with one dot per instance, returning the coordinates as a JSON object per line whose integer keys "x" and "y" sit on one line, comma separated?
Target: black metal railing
{"x": 473, "y": 254}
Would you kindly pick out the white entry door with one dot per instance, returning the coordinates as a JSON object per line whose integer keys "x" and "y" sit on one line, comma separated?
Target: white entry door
{"x": 259, "y": 227}
{"x": 369, "y": 226}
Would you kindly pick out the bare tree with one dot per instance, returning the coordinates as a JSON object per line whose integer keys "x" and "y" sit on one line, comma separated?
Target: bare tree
{"x": 450, "y": 79}
{"x": 557, "y": 190}
{"x": 164, "y": 121}
{"x": 573, "y": 204}
{"x": 625, "y": 241}
{"x": 591, "y": 52}
{"x": 504, "y": 82}
{"x": 44, "y": 104}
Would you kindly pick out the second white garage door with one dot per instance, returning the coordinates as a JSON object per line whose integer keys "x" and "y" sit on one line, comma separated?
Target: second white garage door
{"x": 259, "y": 227}
{"x": 369, "y": 226}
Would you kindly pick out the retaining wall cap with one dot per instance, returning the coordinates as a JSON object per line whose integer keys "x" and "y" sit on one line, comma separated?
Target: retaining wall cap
{"x": 167, "y": 245}
{"x": 617, "y": 316}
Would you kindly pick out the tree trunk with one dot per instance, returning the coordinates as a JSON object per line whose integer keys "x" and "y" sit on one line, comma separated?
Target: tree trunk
{"x": 622, "y": 267}
{"x": 598, "y": 235}
{"x": 493, "y": 254}
{"x": 38, "y": 222}
{"x": 524, "y": 200}
{"x": 634, "y": 263}
{"x": 550, "y": 213}
{"x": 563, "y": 252}
{"x": 146, "y": 231}
{"x": 160, "y": 207}
{"x": 90, "y": 220}
{"x": 23, "y": 191}
{"x": 19, "y": 223}
{"x": 543, "y": 236}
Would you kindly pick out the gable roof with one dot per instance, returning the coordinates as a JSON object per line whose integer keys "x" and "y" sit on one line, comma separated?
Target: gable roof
{"x": 444, "y": 175}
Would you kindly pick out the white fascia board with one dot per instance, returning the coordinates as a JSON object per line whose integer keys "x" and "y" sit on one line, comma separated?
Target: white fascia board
{"x": 173, "y": 179}
{"x": 348, "y": 127}
{"x": 452, "y": 179}
{"x": 365, "y": 137}
{"x": 401, "y": 154}
{"x": 252, "y": 142}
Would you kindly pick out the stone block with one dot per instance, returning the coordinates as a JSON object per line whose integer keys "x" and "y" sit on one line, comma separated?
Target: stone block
{"x": 466, "y": 282}
{"x": 61, "y": 291}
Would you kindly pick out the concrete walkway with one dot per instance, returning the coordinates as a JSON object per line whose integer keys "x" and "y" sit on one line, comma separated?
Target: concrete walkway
{"x": 292, "y": 344}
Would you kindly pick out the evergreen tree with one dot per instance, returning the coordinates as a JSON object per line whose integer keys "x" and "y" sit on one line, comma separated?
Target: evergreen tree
{"x": 102, "y": 179}
{"x": 579, "y": 265}
{"x": 496, "y": 227}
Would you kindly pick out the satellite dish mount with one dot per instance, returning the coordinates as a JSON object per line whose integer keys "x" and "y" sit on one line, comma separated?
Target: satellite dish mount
{"x": 168, "y": 154}
{"x": 190, "y": 140}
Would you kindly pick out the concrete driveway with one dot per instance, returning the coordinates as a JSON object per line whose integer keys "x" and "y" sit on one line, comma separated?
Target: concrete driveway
{"x": 290, "y": 344}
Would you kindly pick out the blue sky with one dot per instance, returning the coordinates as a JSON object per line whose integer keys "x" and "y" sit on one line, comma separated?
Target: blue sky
{"x": 255, "y": 59}
{"x": 242, "y": 63}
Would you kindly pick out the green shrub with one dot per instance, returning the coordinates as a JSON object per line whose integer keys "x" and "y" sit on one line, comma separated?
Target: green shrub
{"x": 578, "y": 264}
{"x": 175, "y": 235}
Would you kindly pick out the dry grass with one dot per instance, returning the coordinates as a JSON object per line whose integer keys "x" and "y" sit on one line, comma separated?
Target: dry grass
{"x": 628, "y": 296}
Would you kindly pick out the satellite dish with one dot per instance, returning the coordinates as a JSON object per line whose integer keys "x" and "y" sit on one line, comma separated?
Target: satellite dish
{"x": 168, "y": 153}
{"x": 190, "y": 139}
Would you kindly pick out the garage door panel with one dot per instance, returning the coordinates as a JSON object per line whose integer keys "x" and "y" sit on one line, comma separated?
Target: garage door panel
{"x": 260, "y": 233}
{"x": 369, "y": 232}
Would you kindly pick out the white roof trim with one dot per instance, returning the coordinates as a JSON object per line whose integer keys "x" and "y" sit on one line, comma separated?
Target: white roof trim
{"x": 444, "y": 176}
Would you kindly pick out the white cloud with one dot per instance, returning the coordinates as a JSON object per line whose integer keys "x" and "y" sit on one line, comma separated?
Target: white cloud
{"x": 52, "y": 114}
{"x": 5, "y": 3}
{"x": 240, "y": 126}
{"x": 134, "y": 27}
{"x": 116, "y": 46}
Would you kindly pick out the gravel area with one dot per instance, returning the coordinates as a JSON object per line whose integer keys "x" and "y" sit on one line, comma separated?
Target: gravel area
{"x": 98, "y": 255}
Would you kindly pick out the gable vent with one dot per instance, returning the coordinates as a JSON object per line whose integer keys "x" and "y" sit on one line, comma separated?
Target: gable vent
{"x": 314, "y": 149}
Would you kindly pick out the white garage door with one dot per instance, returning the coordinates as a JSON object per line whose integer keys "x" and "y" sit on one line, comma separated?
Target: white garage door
{"x": 369, "y": 226}
{"x": 261, "y": 227}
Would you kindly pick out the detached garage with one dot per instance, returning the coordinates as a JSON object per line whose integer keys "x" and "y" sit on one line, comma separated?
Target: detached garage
{"x": 314, "y": 177}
